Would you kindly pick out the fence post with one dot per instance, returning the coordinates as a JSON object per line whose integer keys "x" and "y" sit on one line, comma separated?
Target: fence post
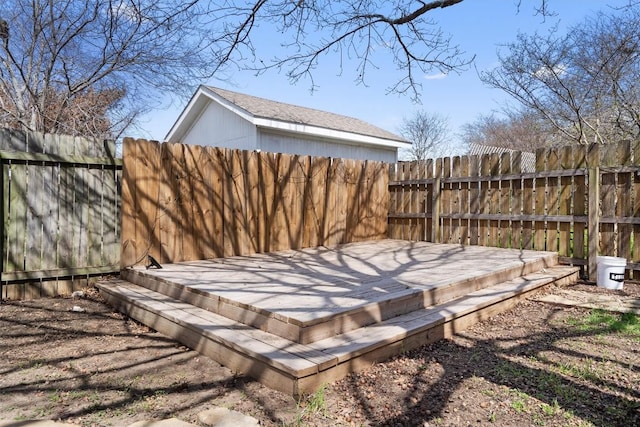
{"x": 593, "y": 160}
{"x": 437, "y": 192}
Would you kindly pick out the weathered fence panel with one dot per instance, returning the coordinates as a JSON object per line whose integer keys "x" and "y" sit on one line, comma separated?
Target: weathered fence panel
{"x": 182, "y": 202}
{"x": 60, "y": 212}
{"x": 582, "y": 201}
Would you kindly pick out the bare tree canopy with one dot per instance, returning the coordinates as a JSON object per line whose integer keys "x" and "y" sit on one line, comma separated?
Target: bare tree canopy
{"x": 90, "y": 67}
{"x": 428, "y": 133}
{"x": 585, "y": 84}
{"x": 515, "y": 129}
{"x": 351, "y": 29}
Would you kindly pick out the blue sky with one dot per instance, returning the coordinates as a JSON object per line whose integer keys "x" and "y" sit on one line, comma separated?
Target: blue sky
{"x": 479, "y": 27}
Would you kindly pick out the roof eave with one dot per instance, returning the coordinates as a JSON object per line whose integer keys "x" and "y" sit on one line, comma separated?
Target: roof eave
{"x": 321, "y": 132}
{"x": 187, "y": 117}
{"x": 196, "y": 105}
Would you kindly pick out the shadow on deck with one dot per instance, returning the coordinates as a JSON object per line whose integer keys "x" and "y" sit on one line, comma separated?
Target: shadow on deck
{"x": 297, "y": 319}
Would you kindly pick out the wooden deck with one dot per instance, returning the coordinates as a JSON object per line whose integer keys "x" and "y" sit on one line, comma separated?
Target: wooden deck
{"x": 296, "y": 319}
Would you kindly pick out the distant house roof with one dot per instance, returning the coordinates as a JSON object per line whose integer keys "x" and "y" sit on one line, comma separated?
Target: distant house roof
{"x": 278, "y": 115}
{"x": 527, "y": 160}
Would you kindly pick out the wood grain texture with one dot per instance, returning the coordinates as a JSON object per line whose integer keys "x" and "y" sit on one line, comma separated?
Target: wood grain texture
{"x": 188, "y": 203}
{"x": 128, "y": 208}
{"x": 61, "y": 210}
{"x": 505, "y": 188}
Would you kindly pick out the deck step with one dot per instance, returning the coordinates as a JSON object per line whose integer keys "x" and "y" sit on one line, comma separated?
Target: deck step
{"x": 400, "y": 297}
{"x": 297, "y": 368}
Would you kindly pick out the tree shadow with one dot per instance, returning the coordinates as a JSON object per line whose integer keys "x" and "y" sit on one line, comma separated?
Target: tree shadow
{"x": 60, "y": 211}
{"x": 524, "y": 365}
{"x": 94, "y": 365}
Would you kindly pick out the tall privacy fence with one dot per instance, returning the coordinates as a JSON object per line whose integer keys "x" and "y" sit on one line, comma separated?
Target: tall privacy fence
{"x": 581, "y": 202}
{"x": 185, "y": 202}
{"x": 62, "y": 204}
{"x": 60, "y": 212}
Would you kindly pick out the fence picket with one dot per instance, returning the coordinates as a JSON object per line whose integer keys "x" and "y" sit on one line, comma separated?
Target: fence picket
{"x": 407, "y": 190}
{"x": 250, "y": 161}
{"x": 129, "y": 250}
{"x": 539, "y": 226}
{"x": 315, "y": 201}
{"x": 506, "y": 229}
{"x": 635, "y": 208}
{"x": 428, "y": 199}
{"x": 445, "y": 200}
{"x": 456, "y": 166}
{"x": 95, "y": 214}
{"x": 608, "y": 206}
{"x": 112, "y": 222}
{"x": 517, "y": 224}
{"x": 552, "y": 200}
{"x": 169, "y": 218}
{"x": 485, "y": 200}
{"x": 17, "y": 214}
{"x": 350, "y": 189}
{"x": 380, "y": 182}
{"x": 494, "y": 200}
{"x": 236, "y": 208}
{"x": 333, "y": 229}
{"x": 268, "y": 169}
{"x": 474, "y": 200}
{"x": 34, "y": 216}
{"x": 463, "y": 207}
{"x": 299, "y": 175}
{"x": 580, "y": 191}
{"x": 623, "y": 201}
{"x": 394, "y": 197}
{"x": 565, "y": 200}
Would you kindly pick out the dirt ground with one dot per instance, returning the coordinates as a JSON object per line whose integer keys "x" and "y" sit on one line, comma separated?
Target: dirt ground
{"x": 537, "y": 365}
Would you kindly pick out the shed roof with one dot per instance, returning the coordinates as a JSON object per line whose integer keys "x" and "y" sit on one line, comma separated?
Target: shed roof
{"x": 268, "y": 109}
{"x": 276, "y": 115}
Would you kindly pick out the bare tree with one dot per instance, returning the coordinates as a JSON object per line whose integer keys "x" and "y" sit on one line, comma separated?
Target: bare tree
{"x": 584, "y": 84}
{"x": 57, "y": 55}
{"x": 354, "y": 30}
{"x": 91, "y": 67}
{"x": 521, "y": 130}
{"x": 351, "y": 29}
{"x": 428, "y": 133}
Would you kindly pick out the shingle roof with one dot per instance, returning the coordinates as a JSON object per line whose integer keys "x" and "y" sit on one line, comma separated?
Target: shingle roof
{"x": 527, "y": 160}
{"x": 265, "y": 108}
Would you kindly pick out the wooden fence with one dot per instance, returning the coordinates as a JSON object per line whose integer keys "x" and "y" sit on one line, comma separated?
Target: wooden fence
{"x": 185, "y": 202}
{"x": 582, "y": 201}
{"x": 60, "y": 212}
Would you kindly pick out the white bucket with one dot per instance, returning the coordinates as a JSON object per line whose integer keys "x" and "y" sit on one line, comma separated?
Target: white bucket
{"x": 611, "y": 272}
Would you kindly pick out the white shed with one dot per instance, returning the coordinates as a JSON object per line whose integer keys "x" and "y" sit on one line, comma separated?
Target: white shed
{"x": 222, "y": 118}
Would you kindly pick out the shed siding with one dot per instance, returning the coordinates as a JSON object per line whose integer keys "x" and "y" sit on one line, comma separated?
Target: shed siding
{"x": 280, "y": 143}
{"x": 219, "y": 127}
